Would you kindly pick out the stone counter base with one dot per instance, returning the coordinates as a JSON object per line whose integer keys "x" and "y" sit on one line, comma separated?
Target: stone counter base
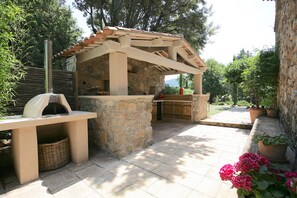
{"x": 123, "y": 124}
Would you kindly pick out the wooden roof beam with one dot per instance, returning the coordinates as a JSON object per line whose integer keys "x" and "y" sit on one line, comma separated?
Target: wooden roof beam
{"x": 152, "y": 58}
{"x": 94, "y": 53}
{"x": 125, "y": 41}
{"x": 143, "y": 43}
{"x": 157, "y": 41}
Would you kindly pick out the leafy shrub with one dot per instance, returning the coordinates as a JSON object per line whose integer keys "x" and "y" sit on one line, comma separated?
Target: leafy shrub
{"x": 243, "y": 103}
{"x": 170, "y": 90}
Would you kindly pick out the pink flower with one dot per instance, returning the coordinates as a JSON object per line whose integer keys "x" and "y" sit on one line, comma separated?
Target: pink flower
{"x": 247, "y": 165}
{"x": 290, "y": 174}
{"x": 251, "y": 162}
{"x": 242, "y": 181}
{"x": 263, "y": 161}
{"x": 290, "y": 184}
{"x": 227, "y": 172}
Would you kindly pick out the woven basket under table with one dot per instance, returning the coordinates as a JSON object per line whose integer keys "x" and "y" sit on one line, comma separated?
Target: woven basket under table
{"x": 53, "y": 154}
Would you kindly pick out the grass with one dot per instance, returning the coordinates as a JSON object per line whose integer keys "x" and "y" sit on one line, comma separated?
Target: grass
{"x": 215, "y": 109}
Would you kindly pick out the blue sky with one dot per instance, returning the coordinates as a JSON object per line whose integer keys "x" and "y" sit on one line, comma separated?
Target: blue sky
{"x": 244, "y": 24}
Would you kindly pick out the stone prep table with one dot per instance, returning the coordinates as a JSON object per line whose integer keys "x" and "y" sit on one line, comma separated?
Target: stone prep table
{"x": 26, "y": 130}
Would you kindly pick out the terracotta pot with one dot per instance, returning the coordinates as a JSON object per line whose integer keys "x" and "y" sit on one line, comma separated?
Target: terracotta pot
{"x": 272, "y": 113}
{"x": 254, "y": 113}
{"x": 181, "y": 91}
{"x": 275, "y": 153}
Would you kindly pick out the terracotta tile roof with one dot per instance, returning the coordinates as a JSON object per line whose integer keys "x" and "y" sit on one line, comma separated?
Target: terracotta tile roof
{"x": 137, "y": 36}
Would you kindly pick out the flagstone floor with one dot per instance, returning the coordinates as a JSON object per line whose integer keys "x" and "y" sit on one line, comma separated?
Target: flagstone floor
{"x": 184, "y": 161}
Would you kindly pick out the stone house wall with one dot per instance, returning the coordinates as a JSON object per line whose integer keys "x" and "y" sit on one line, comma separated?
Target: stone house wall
{"x": 286, "y": 34}
{"x": 93, "y": 77}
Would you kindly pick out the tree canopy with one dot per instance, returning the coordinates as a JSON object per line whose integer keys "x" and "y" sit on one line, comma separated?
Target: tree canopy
{"x": 214, "y": 80}
{"x": 47, "y": 19}
{"x": 187, "y": 17}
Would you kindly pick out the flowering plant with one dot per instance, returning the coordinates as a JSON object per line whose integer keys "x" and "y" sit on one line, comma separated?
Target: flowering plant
{"x": 254, "y": 176}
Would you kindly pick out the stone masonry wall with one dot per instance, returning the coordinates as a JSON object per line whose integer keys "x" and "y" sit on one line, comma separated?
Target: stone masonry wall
{"x": 93, "y": 77}
{"x": 286, "y": 32}
{"x": 123, "y": 124}
{"x": 144, "y": 80}
{"x": 199, "y": 107}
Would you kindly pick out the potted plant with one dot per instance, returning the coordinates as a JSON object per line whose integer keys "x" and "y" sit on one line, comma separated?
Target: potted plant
{"x": 270, "y": 103}
{"x": 272, "y": 147}
{"x": 254, "y": 176}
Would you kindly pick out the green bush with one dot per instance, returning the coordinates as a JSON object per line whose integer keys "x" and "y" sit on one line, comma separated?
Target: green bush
{"x": 170, "y": 90}
{"x": 243, "y": 103}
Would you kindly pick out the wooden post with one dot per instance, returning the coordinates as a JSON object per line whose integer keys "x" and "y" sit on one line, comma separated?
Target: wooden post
{"x": 198, "y": 84}
{"x": 118, "y": 73}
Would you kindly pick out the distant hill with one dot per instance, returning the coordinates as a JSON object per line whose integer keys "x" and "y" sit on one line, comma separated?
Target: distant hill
{"x": 172, "y": 82}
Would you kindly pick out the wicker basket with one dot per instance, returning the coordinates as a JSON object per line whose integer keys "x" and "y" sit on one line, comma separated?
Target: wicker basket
{"x": 53, "y": 154}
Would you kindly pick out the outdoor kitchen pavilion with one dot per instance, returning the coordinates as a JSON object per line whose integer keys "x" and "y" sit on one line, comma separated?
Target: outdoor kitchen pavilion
{"x": 117, "y": 69}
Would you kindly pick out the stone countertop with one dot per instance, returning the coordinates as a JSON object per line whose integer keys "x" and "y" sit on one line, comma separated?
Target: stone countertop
{"x": 15, "y": 122}
{"x": 181, "y": 101}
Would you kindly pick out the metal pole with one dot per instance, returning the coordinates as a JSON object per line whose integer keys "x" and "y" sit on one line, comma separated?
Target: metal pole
{"x": 48, "y": 54}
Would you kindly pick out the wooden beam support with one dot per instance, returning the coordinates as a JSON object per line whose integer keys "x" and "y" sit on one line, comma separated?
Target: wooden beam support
{"x": 178, "y": 43}
{"x": 198, "y": 84}
{"x": 152, "y": 58}
{"x": 185, "y": 56}
{"x": 118, "y": 73}
{"x": 125, "y": 41}
{"x": 93, "y": 53}
{"x": 143, "y": 43}
{"x": 157, "y": 41}
{"x": 172, "y": 53}
{"x": 172, "y": 72}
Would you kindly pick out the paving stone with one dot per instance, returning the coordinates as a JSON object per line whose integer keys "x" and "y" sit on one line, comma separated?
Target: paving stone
{"x": 146, "y": 163}
{"x": 33, "y": 189}
{"x": 73, "y": 167}
{"x": 79, "y": 189}
{"x": 208, "y": 186}
{"x": 94, "y": 174}
{"x": 132, "y": 192}
{"x": 168, "y": 189}
{"x": 59, "y": 180}
{"x": 195, "y": 194}
{"x": 103, "y": 160}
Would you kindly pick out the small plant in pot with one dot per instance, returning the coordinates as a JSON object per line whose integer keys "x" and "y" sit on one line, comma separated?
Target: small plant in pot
{"x": 270, "y": 103}
{"x": 273, "y": 147}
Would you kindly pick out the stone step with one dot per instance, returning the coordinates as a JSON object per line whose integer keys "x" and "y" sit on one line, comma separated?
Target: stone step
{"x": 226, "y": 124}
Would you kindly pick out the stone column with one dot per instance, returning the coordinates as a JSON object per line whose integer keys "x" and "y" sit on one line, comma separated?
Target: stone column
{"x": 198, "y": 83}
{"x": 118, "y": 73}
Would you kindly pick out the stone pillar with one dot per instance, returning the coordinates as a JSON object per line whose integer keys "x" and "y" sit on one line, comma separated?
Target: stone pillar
{"x": 118, "y": 73}
{"x": 198, "y": 83}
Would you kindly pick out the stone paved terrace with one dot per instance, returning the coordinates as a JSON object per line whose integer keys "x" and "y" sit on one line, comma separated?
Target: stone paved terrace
{"x": 184, "y": 165}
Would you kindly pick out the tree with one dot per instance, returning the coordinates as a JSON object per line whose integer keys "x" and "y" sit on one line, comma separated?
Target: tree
{"x": 260, "y": 78}
{"x": 242, "y": 54}
{"x": 11, "y": 70}
{"x": 214, "y": 80}
{"x": 47, "y": 19}
{"x": 252, "y": 82}
{"x": 187, "y": 17}
{"x": 268, "y": 65}
{"x": 233, "y": 74}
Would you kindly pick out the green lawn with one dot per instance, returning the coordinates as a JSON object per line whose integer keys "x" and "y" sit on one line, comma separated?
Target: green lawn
{"x": 214, "y": 109}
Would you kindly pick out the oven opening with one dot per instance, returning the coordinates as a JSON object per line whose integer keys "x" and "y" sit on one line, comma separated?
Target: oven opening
{"x": 54, "y": 108}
